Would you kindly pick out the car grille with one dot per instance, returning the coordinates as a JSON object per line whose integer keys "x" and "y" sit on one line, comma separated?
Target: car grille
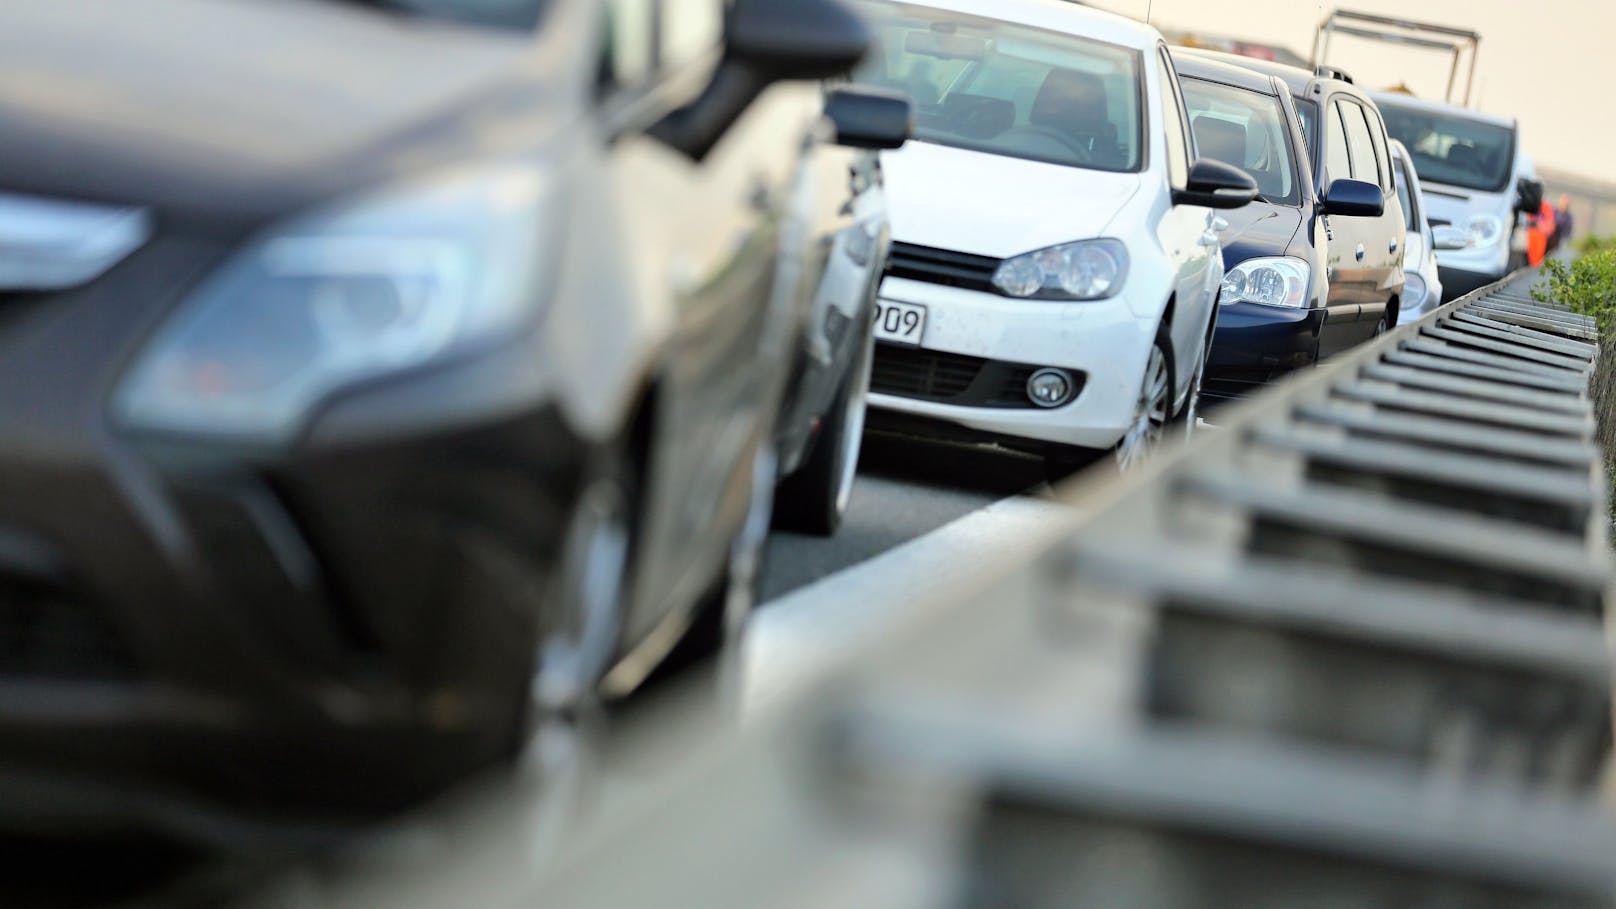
{"x": 942, "y": 266}
{"x": 948, "y": 378}
{"x": 46, "y": 632}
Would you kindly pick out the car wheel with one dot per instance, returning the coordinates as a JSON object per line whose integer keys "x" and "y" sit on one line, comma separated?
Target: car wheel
{"x": 1153, "y": 409}
{"x": 1380, "y": 327}
{"x": 815, "y": 498}
{"x": 1184, "y": 422}
{"x": 578, "y": 636}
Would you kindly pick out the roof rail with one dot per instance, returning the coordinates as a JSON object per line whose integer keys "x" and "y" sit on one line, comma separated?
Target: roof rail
{"x": 1326, "y": 71}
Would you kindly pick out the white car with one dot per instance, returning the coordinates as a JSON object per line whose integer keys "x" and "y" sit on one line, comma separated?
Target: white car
{"x": 1055, "y": 261}
{"x": 1422, "y": 281}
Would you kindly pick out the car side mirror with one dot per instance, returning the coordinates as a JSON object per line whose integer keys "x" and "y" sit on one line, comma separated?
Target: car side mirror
{"x": 1354, "y": 199}
{"x": 1215, "y": 184}
{"x": 766, "y": 41}
{"x": 1448, "y": 237}
{"x": 866, "y": 117}
{"x": 1528, "y": 195}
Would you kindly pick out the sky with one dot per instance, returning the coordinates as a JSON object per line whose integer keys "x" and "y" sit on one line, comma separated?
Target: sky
{"x": 1546, "y": 62}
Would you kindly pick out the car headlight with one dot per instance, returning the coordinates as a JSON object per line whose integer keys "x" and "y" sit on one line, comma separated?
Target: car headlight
{"x": 390, "y": 283}
{"x": 1085, "y": 270}
{"x": 1485, "y": 231}
{"x": 1270, "y": 281}
{"x": 1414, "y": 291}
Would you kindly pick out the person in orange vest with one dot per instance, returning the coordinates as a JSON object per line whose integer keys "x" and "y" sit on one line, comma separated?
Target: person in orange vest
{"x": 1539, "y": 228}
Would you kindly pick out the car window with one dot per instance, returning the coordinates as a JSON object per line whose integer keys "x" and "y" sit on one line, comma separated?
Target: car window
{"x": 514, "y": 14}
{"x": 1009, "y": 89}
{"x": 1453, "y": 148}
{"x": 1359, "y": 144}
{"x": 1246, "y": 129}
{"x": 1178, "y": 142}
{"x": 1337, "y": 163}
{"x": 1405, "y": 195}
{"x": 1377, "y": 134}
{"x": 1308, "y": 113}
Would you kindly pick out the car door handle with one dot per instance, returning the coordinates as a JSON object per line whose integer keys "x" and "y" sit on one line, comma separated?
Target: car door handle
{"x": 1394, "y": 244}
{"x": 1360, "y": 252}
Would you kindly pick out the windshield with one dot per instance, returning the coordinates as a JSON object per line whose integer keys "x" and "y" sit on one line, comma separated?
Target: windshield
{"x": 1008, "y": 89}
{"x": 1246, "y": 129}
{"x": 517, "y": 14}
{"x": 1451, "y": 149}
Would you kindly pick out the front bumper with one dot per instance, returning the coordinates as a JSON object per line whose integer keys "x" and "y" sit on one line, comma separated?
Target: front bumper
{"x": 209, "y": 640}
{"x": 1254, "y": 345}
{"x": 1456, "y": 282}
{"x": 1101, "y": 342}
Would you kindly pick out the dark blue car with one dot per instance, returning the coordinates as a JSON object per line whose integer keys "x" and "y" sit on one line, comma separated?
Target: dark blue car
{"x": 1277, "y": 313}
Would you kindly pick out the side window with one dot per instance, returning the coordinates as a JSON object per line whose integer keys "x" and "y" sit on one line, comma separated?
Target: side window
{"x": 1178, "y": 142}
{"x": 1377, "y": 134}
{"x": 629, "y": 55}
{"x": 1337, "y": 163}
{"x": 1365, "y": 166}
{"x": 691, "y": 30}
{"x": 1406, "y": 197}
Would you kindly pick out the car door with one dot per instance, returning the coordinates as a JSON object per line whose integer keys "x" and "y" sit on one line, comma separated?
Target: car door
{"x": 703, "y": 239}
{"x": 1344, "y": 236}
{"x": 1391, "y": 235}
{"x": 1380, "y": 239}
{"x": 1186, "y": 233}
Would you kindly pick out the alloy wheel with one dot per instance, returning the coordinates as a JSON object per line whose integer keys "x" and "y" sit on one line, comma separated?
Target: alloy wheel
{"x": 1151, "y": 414}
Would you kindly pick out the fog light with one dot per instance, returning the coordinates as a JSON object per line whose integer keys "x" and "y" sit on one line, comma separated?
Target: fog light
{"x": 1050, "y": 387}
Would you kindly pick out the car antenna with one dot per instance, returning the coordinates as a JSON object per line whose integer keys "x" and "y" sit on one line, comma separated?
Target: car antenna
{"x": 1149, "y": 4}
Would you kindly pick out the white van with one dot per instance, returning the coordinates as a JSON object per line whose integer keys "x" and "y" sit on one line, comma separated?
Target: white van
{"x": 1474, "y": 175}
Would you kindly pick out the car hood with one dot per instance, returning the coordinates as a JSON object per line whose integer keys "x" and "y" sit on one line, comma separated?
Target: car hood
{"x": 993, "y": 205}
{"x": 1258, "y": 229}
{"x": 1457, "y": 206}
{"x": 212, "y": 108}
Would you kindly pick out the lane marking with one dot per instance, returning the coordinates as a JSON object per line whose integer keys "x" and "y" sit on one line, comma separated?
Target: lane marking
{"x": 792, "y": 639}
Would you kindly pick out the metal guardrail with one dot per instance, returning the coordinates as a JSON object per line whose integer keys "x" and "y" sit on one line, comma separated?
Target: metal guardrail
{"x": 1348, "y": 649}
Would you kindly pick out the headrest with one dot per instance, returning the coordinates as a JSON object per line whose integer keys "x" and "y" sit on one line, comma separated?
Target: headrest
{"x": 1222, "y": 139}
{"x": 1070, "y": 100}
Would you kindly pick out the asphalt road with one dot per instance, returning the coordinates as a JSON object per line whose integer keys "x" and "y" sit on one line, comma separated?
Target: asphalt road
{"x": 905, "y": 489}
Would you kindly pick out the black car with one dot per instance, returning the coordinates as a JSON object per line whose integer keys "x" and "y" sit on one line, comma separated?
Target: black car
{"x": 1353, "y": 216}
{"x": 382, "y": 375}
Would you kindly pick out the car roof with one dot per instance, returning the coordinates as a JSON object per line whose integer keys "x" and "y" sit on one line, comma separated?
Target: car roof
{"x": 1398, "y": 99}
{"x": 1294, "y": 77}
{"x": 1055, "y": 15}
{"x": 1198, "y": 67}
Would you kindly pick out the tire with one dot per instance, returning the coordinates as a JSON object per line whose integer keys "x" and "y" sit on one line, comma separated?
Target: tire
{"x": 1184, "y": 420}
{"x": 815, "y": 498}
{"x": 1152, "y": 413}
{"x": 577, "y": 633}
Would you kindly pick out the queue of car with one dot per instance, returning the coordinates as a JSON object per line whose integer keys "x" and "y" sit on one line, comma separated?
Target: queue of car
{"x": 456, "y": 384}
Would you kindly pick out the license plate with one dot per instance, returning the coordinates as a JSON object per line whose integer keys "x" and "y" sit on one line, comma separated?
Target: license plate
{"x": 900, "y": 323}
